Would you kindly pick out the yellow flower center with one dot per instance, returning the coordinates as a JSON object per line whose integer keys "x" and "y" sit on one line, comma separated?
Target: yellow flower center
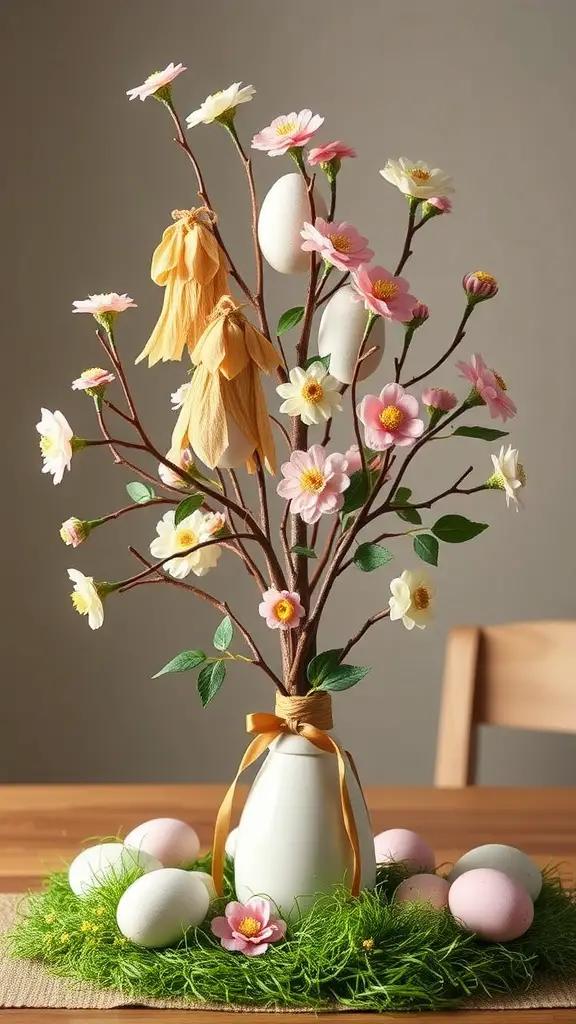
{"x": 420, "y": 175}
{"x": 285, "y": 129}
{"x": 284, "y": 610}
{"x": 47, "y": 445}
{"x": 312, "y": 480}
{"x": 483, "y": 275}
{"x": 92, "y": 372}
{"x": 500, "y": 381}
{"x": 391, "y": 417}
{"x": 80, "y": 603}
{"x": 521, "y": 474}
{"x": 249, "y": 927}
{"x": 187, "y": 539}
{"x": 384, "y": 289}
{"x": 341, "y": 242}
{"x": 312, "y": 392}
{"x": 64, "y": 937}
{"x": 421, "y": 598}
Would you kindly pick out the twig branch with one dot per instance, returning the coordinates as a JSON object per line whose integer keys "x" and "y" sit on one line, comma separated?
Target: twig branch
{"x": 406, "y": 251}
{"x": 460, "y": 335}
{"x": 333, "y": 290}
{"x": 364, "y": 629}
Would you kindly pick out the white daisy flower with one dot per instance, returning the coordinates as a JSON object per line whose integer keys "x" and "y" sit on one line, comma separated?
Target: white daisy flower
{"x": 417, "y": 178}
{"x": 86, "y": 598}
{"x": 56, "y": 437}
{"x": 312, "y": 394}
{"x": 412, "y": 600}
{"x": 172, "y": 540}
{"x": 221, "y": 103}
{"x": 509, "y": 475}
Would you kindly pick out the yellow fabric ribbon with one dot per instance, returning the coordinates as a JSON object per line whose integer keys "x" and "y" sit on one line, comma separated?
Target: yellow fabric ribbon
{"x": 268, "y": 727}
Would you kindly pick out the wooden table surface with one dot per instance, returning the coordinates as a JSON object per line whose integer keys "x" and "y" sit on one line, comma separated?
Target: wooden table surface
{"x": 43, "y": 827}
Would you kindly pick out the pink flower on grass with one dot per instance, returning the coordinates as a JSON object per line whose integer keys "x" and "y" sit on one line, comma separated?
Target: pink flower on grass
{"x": 383, "y": 293}
{"x": 159, "y": 80}
{"x": 354, "y": 461}
{"x": 330, "y": 151}
{"x": 442, "y": 204}
{"x": 110, "y": 302}
{"x": 439, "y": 398}
{"x": 314, "y": 483}
{"x": 248, "y": 928}
{"x": 338, "y": 244}
{"x": 390, "y": 419}
{"x": 289, "y": 131}
{"x": 281, "y": 608}
{"x": 92, "y": 380}
{"x": 489, "y": 387}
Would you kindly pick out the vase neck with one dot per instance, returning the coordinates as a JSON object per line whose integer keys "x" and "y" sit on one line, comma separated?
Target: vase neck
{"x": 312, "y": 709}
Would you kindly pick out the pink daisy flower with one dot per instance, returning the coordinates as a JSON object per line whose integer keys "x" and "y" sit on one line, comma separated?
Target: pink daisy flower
{"x": 383, "y": 293}
{"x": 281, "y": 608}
{"x": 489, "y": 387}
{"x": 354, "y": 461}
{"x": 480, "y": 285}
{"x": 287, "y": 132}
{"x": 249, "y": 927}
{"x": 390, "y": 419}
{"x": 159, "y": 80}
{"x": 330, "y": 151}
{"x": 439, "y": 398}
{"x": 109, "y": 302}
{"x": 338, "y": 244}
{"x": 314, "y": 483}
{"x": 93, "y": 379}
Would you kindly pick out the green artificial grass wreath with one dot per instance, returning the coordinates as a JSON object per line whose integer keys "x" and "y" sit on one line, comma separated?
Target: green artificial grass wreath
{"x": 367, "y": 953}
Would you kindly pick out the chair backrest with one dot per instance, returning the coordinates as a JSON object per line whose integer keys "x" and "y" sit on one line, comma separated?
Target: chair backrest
{"x": 521, "y": 675}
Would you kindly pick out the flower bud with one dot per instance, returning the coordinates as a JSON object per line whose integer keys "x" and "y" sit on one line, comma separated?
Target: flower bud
{"x": 169, "y": 477}
{"x": 74, "y": 531}
{"x": 93, "y": 381}
{"x": 479, "y": 286}
{"x": 420, "y": 314}
{"x": 436, "y": 206}
{"x": 439, "y": 399}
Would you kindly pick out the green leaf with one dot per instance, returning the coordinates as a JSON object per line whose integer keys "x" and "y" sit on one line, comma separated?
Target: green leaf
{"x": 187, "y": 507}
{"x": 357, "y": 493}
{"x": 426, "y": 547}
{"x": 325, "y": 360}
{"x": 457, "y": 529}
{"x": 182, "y": 663}
{"x": 409, "y": 515}
{"x": 289, "y": 319}
{"x": 299, "y": 549}
{"x": 484, "y": 433}
{"x": 223, "y": 635}
{"x": 210, "y": 680}
{"x": 368, "y": 557}
{"x": 142, "y": 493}
{"x": 343, "y": 677}
{"x": 322, "y": 665}
{"x": 402, "y": 496}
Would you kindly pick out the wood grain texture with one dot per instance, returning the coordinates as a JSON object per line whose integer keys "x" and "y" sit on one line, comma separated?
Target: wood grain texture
{"x": 43, "y": 827}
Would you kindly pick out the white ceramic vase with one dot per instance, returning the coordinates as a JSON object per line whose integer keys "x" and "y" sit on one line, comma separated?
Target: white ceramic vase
{"x": 292, "y": 843}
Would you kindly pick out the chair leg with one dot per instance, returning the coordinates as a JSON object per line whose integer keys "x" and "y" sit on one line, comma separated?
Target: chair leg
{"x": 456, "y": 746}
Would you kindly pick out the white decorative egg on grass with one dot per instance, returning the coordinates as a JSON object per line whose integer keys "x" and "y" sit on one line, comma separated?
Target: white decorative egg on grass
{"x": 157, "y": 909}
{"x": 283, "y": 212}
{"x": 99, "y": 864}
{"x": 208, "y": 881}
{"x": 400, "y": 845}
{"x": 512, "y": 862}
{"x": 423, "y": 889}
{"x": 231, "y": 843}
{"x": 491, "y": 905}
{"x": 172, "y": 841}
{"x": 340, "y": 335}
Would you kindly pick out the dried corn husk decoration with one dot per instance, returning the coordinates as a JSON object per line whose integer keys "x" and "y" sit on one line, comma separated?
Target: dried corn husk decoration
{"x": 191, "y": 267}
{"x": 224, "y": 417}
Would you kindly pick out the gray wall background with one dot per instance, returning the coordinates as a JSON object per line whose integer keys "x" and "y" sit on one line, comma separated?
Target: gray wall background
{"x": 485, "y": 91}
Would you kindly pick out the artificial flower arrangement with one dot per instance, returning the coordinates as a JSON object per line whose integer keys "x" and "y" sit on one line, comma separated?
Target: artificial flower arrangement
{"x": 339, "y": 509}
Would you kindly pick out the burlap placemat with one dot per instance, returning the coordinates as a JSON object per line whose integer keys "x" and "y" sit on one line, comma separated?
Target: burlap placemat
{"x": 26, "y": 983}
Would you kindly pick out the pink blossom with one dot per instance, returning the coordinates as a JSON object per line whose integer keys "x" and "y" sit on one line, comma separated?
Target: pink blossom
{"x": 354, "y": 461}
{"x": 92, "y": 379}
{"x": 338, "y": 244}
{"x": 159, "y": 80}
{"x": 110, "y": 302}
{"x": 314, "y": 483}
{"x": 442, "y": 204}
{"x": 383, "y": 293}
{"x": 281, "y": 608}
{"x": 248, "y": 928}
{"x": 439, "y": 398}
{"x": 480, "y": 285}
{"x": 489, "y": 387}
{"x": 330, "y": 151}
{"x": 287, "y": 132}
{"x": 420, "y": 313}
{"x": 390, "y": 419}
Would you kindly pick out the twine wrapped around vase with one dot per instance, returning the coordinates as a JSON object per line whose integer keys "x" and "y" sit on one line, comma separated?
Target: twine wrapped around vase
{"x": 309, "y": 716}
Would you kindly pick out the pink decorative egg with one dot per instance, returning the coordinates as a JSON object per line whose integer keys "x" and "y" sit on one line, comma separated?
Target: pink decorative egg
{"x": 400, "y": 844}
{"x": 423, "y": 889}
{"x": 173, "y": 842}
{"x": 490, "y": 904}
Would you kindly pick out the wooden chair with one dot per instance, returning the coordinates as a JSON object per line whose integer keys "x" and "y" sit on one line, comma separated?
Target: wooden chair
{"x": 521, "y": 675}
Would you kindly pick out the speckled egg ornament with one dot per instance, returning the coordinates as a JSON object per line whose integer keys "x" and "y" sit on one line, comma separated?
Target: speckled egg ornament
{"x": 423, "y": 889}
{"x": 96, "y": 865}
{"x": 400, "y": 845}
{"x": 511, "y": 861}
{"x": 173, "y": 842}
{"x": 157, "y": 909}
{"x": 491, "y": 905}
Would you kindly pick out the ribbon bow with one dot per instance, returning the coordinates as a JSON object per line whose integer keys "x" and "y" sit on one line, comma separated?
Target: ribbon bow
{"x": 266, "y": 728}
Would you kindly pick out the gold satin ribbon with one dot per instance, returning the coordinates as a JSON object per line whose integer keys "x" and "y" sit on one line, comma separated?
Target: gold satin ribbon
{"x": 268, "y": 727}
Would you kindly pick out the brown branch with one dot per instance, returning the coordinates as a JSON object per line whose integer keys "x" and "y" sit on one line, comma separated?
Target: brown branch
{"x": 259, "y": 293}
{"x": 364, "y": 629}
{"x": 323, "y": 560}
{"x": 406, "y": 251}
{"x": 241, "y": 549}
{"x": 283, "y": 430}
{"x": 136, "y": 505}
{"x": 333, "y": 290}
{"x": 263, "y": 496}
{"x": 371, "y": 320}
{"x": 460, "y": 335}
